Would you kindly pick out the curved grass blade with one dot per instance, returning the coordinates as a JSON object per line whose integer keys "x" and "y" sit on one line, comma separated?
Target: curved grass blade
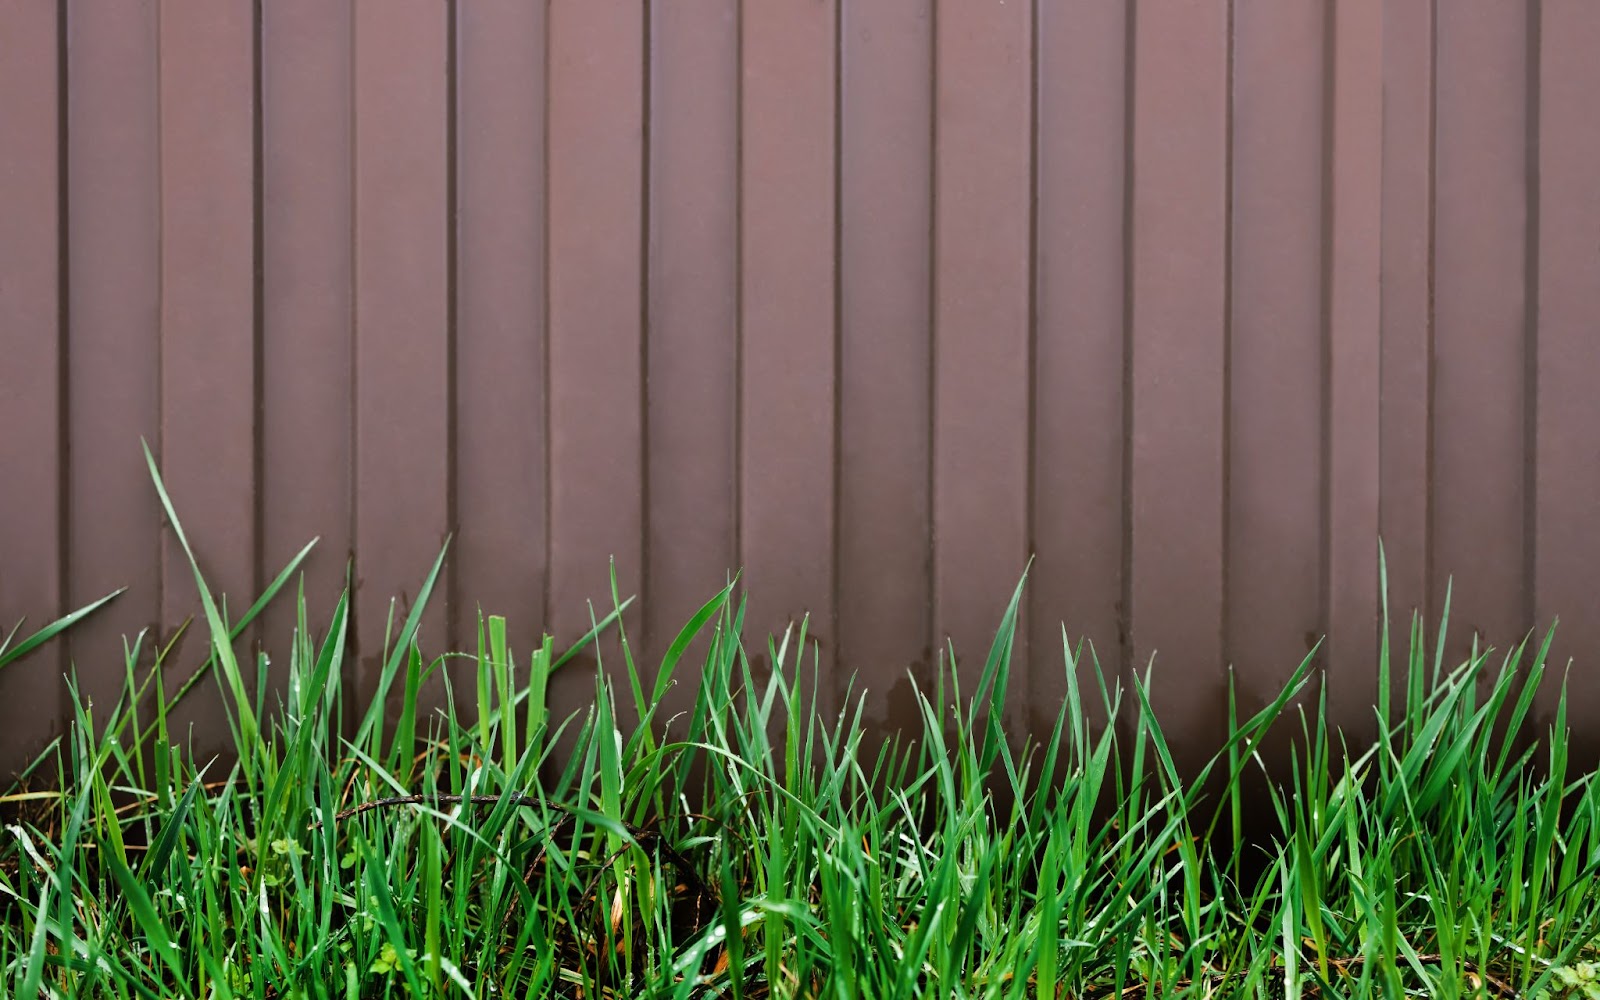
{"x": 9, "y": 656}
{"x": 402, "y": 646}
{"x": 149, "y": 921}
{"x": 221, "y": 638}
{"x": 271, "y": 591}
{"x": 167, "y": 839}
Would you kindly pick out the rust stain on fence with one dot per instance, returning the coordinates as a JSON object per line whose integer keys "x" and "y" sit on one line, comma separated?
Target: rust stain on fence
{"x": 1189, "y": 303}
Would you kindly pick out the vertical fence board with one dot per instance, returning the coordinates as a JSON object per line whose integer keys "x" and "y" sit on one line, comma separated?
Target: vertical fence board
{"x": 1273, "y": 603}
{"x": 208, "y": 336}
{"x": 1354, "y": 304}
{"x": 693, "y": 353}
{"x": 1568, "y": 461}
{"x": 31, "y": 447}
{"x": 594, "y": 199}
{"x": 884, "y": 272}
{"x": 1179, "y": 277}
{"x": 307, "y": 308}
{"x": 114, "y": 255}
{"x": 1406, "y": 396}
{"x": 500, "y": 552}
{"x": 982, "y": 328}
{"x": 402, "y": 360}
{"x": 1078, "y": 524}
{"x": 1481, "y": 311}
{"x": 787, "y": 321}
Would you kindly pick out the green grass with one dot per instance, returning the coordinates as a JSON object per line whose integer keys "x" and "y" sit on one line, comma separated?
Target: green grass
{"x": 758, "y": 847}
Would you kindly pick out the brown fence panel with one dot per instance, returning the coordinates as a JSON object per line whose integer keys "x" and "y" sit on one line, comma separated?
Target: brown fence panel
{"x": 1276, "y": 407}
{"x": 209, "y": 345}
{"x": 885, "y": 284}
{"x": 112, "y": 331}
{"x": 1480, "y": 462}
{"x": 1567, "y": 217}
{"x": 693, "y": 364}
{"x": 982, "y": 344}
{"x": 1080, "y": 348}
{"x": 307, "y": 302}
{"x": 31, "y": 435}
{"x": 595, "y": 198}
{"x": 788, "y": 334}
{"x": 1187, "y": 301}
{"x": 500, "y": 481}
{"x": 403, "y": 321}
{"x": 1406, "y": 399}
{"x": 1353, "y": 442}
{"x": 1179, "y": 322}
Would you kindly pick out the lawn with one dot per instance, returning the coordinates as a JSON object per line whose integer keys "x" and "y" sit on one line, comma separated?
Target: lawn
{"x": 758, "y": 847}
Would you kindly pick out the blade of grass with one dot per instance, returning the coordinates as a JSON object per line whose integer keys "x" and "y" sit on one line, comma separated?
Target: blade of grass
{"x": 9, "y": 655}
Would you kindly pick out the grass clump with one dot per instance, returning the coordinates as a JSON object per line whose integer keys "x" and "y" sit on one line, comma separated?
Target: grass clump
{"x": 756, "y": 848}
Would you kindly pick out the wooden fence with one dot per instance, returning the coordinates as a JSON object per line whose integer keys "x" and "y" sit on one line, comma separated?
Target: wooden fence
{"x": 873, "y": 300}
